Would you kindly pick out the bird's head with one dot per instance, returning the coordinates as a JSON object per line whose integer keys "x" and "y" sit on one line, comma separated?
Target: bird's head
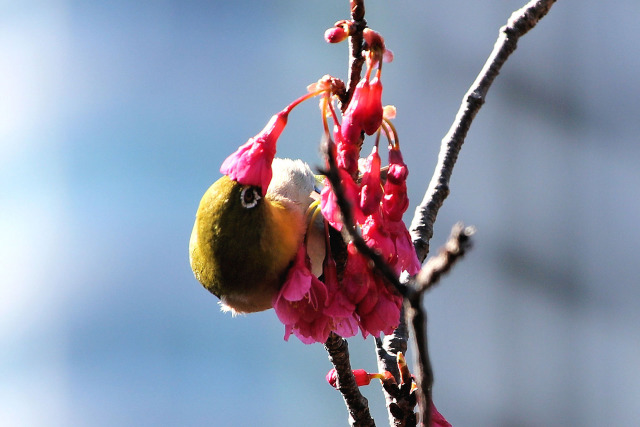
{"x": 243, "y": 242}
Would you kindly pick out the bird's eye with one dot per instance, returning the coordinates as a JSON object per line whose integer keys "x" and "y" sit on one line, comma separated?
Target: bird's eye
{"x": 249, "y": 197}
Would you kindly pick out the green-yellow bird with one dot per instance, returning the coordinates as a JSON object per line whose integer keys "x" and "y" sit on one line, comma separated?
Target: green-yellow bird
{"x": 243, "y": 242}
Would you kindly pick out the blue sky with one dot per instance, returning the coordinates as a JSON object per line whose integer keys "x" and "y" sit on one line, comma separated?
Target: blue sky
{"x": 115, "y": 118}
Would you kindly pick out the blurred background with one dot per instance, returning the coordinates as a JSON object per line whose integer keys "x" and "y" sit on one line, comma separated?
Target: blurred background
{"x": 116, "y": 115}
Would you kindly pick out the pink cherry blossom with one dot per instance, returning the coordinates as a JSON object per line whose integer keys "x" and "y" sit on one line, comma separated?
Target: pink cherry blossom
{"x": 385, "y": 315}
{"x": 251, "y": 163}
{"x": 406, "y": 257}
{"x": 373, "y": 113}
{"x": 377, "y": 306}
{"x": 347, "y": 153}
{"x": 335, "y": 35}
{"x": 356, "y": 280}
{"x": 371, "y": 188}
{"x": 338, "y": 307}
{"x": 375, "y": 233}
{"x": 300, "y": 303}
{"x": 376, "y": 49}
{"x": 329, "y": 204}
{"x": 437, "y": 420}
{"x": 395, "y": 201}
{"x": 362, "y": 377}
{"x": 398, "y": 170}
{"x": 355, "y": 114}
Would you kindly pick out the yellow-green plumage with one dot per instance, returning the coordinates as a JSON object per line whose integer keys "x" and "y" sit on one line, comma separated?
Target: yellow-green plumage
{"x": 240, "y": 251}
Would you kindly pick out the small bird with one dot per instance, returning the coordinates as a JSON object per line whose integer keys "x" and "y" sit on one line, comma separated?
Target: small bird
{"x": 243, "y": 242}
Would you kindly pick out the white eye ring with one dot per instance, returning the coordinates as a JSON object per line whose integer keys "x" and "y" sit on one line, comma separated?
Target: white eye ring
{"x": 249, "y": 197}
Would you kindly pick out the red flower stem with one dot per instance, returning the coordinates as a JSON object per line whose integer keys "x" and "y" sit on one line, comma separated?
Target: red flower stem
{"x": 396, "y": 140}
{"x": 333, "y": 113}
{"x": 295, "y": 103}
{"x": 367, "y": 74}
{"x": 325, "y": 106}
{"x": 377, "y": 143}
{"x": 385, "y": 128}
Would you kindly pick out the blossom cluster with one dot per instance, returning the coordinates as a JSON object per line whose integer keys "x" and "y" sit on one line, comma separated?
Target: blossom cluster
{"x": 312, "y": 307}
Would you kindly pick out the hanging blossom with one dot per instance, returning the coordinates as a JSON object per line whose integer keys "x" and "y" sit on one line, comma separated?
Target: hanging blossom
{"x": 300, "y": 303}
{"x": 377, "y": 208}
{"x": 394, "y": 204}
{"x": 329, "y": 202}
{"x": 310, "y": 308}
{"x": 364, "y": 112}
{"x": 371, "y": 187}
{"x": 251, "y": 163}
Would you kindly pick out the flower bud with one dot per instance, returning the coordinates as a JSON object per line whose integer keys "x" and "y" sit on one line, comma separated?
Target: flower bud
{"x": 335, "y": 35}
{"x": 362, "y": 377}
{"x": 339, "y": 32}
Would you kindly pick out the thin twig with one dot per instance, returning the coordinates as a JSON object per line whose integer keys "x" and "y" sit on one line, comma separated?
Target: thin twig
{"x": 458, "y": 243}
{"x": 356, "y": 60}
{"x": 389, "y": 346}
{"x": 520, "y": 22}
{"x": 357, "y": 405}
{"x": 387, "y": 349}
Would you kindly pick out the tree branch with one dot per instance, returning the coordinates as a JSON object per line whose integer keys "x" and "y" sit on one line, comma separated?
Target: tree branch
{"x": 458, "y": 243}
{"x": 387, "y": 349}
{"x": 357, "y": 404}
{"x": 520, "y": 22}
{"x": 356, "y": 61}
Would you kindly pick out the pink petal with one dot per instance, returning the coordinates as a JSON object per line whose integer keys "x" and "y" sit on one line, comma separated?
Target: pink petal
{"x": 345, "y": 326}
{"x": 329, "y": 206}
{"x": 371, "y": 191}
{"x": 375, "y": 233}
{"x": 298, "y": 281}
{"x": 407, "y": 258}
{"x": 329, "y": 203}
{"x": 286, "y": 311}
{"x": 437, "y": 420}
{"x": 347, "y": 153}
{"x": 251, "y": 163}
{"x": 355, "y": 113}
{"x": 385, "y": 316}
{"x": 356, "y": 281}
{"x": 373, "y": 113}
